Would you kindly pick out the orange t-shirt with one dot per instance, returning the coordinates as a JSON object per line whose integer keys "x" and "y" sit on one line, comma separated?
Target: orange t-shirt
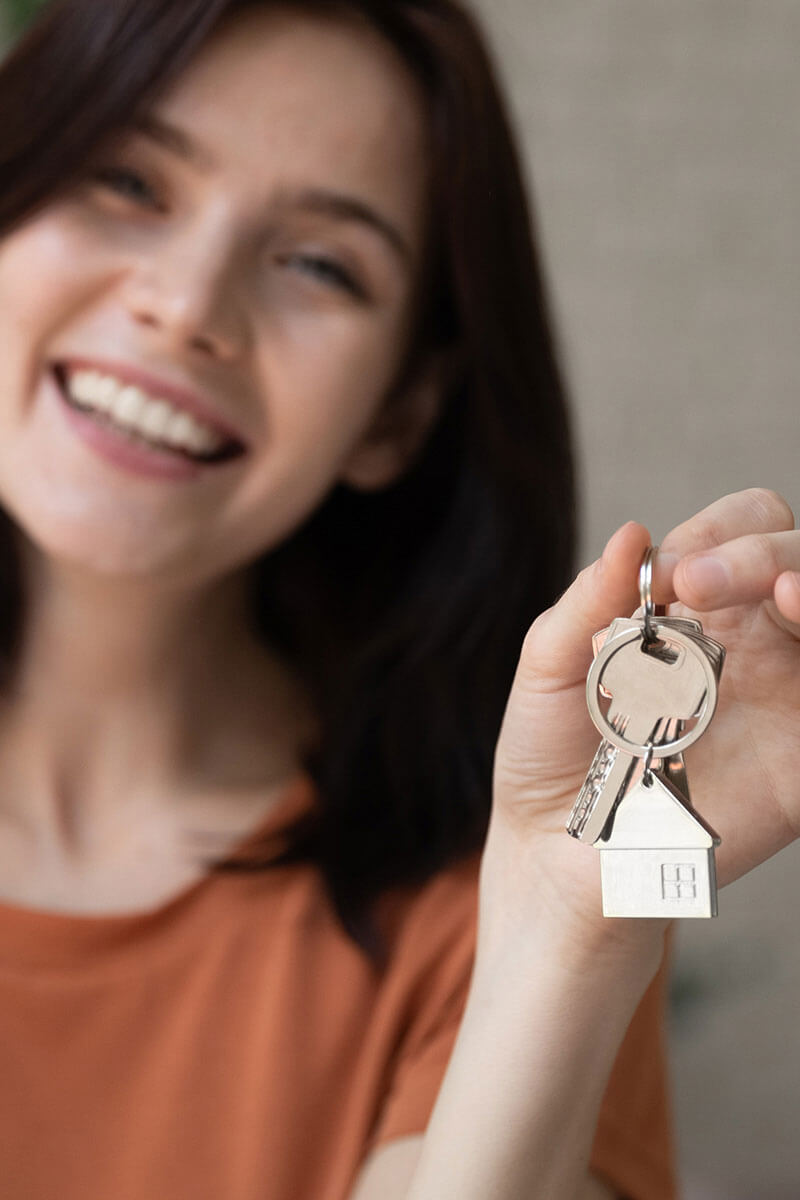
{"x": 234, "y": 1044}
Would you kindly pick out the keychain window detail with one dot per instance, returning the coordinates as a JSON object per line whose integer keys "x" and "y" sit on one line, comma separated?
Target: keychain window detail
{"x": 678, "y": 881}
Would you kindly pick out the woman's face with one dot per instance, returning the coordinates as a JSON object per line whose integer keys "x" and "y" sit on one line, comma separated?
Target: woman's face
{"x": 256, "y": 244}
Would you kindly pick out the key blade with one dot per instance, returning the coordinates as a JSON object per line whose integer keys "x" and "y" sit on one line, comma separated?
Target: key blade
{"x": 606, "y": 781}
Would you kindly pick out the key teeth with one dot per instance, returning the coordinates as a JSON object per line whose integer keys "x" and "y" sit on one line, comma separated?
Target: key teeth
{"x": 584, "y": 809}
{"x": 609, "y": 781}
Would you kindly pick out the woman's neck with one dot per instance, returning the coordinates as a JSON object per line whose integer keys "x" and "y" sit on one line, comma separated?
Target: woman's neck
{"x": 130, "y": 698}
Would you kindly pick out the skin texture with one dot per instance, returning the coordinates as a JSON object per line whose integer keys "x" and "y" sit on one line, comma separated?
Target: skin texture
{"x": 544, "y": 949}
{"x": 141, "y": 689}
{"x": 742, "y": 771}
{"x": 388, "y": 1175}
{"x": 141, "y": 696}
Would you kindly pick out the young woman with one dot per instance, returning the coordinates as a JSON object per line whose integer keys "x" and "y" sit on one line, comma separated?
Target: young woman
{"x": 290, "y": 709}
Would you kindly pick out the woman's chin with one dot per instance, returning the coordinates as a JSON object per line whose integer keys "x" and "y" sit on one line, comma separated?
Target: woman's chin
{"x": 78, "y": 508}
{"x": 66, "y": 528}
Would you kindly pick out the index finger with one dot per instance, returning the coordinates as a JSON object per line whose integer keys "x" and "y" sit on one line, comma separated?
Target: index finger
{"x": 754, "y": 510}
{"x": 557, "y": 647}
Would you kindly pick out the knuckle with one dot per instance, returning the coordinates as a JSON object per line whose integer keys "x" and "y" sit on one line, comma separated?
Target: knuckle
{"x": 535, "y": 633}
{"x": 768, "y": 551}
{"x": 715, "y": 530}
{"x": 585, "y": 582}
{"x": 770, "y": 509}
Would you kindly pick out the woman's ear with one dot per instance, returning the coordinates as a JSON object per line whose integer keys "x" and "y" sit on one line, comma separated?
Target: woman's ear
{"x": 401, "y": 426}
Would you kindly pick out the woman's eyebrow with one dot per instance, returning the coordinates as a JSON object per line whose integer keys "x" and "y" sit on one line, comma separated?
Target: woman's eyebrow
{"x": 318, "y": 200}
{"x": 172, "y": 138}
{"x": 342, "y": 207}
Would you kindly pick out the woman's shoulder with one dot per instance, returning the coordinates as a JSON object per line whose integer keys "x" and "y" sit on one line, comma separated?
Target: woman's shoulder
{"x": 434, "y": 922}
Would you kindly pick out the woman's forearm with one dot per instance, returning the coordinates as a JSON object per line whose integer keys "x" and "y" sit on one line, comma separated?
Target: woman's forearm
{"x": 517, "y": 1112}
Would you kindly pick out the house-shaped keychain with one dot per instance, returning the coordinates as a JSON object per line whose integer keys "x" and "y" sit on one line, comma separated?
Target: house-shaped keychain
{"x": 657, "y": 856}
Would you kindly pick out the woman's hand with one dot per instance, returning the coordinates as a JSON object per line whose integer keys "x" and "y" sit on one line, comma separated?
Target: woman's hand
{"x": 744, "y": 772}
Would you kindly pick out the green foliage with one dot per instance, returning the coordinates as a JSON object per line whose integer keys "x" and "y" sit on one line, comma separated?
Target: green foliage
{"x": 17, "y": 13}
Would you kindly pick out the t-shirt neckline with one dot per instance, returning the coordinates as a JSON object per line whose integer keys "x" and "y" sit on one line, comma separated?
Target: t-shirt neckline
{"x": 31, "y": 935}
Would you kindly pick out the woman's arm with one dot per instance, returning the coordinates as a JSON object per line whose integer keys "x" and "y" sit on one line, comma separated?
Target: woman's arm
{"x": 518, "y": 1109}
{"x": 517, "y": 1113}
{"x": 555, "y": 985}
{"x": 387, "y": 1173}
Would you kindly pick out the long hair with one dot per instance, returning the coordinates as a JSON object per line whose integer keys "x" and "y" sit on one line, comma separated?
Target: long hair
{"x": 402, "y": 611}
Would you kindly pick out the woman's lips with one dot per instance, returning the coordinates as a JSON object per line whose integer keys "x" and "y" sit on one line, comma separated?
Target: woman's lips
{"x": 158, "y": 388}
{"x": 117, "y": 447}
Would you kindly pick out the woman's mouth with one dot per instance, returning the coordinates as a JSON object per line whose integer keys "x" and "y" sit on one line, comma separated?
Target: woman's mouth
{"x": 138, "y": 430}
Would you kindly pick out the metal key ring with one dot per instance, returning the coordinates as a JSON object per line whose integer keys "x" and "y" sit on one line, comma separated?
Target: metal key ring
{"x": 646, "y": 591}
{"x": 607, "y": 730}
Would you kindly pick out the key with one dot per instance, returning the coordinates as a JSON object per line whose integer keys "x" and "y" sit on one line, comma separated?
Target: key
{"x": 611, "y": 771}
{"x": 605, "y": 784}
{"x": 657, "y": 674}
{"x": 606, "y": 779}
{"x": 672, "y": 766}
{"x": 688, "y": 625}
{"x": 676, "y": 671}
{"x": 656, "y": 852}
{"x": 676, "y": 674}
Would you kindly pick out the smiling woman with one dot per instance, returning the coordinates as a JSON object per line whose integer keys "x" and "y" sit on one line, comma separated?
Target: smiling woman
{"x": 285, "y": 476}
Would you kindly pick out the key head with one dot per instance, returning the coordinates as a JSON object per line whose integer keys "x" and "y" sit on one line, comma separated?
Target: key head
{"x": 690, "y": 625}
{"x": 650, "y": 683}
{"x": 677, "y": 680}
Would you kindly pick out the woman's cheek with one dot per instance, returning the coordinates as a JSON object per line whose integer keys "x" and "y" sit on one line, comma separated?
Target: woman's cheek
{"x": 327, "y": 399}
{"x": 47, "y": 268}
{"x": 30, "y": 301}
{"x": 347, "y": 353}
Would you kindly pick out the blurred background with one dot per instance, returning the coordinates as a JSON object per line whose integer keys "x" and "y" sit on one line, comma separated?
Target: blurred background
{"x": 662, "y": 149}
{"x": 661, "y": 144}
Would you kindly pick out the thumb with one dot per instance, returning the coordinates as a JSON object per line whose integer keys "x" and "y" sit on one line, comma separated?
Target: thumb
{"x": 557, "y": 649}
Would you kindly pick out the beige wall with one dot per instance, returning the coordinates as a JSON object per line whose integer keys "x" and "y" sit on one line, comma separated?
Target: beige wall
{"x": 662, "y": 142}
{"x": 662, "y": 139}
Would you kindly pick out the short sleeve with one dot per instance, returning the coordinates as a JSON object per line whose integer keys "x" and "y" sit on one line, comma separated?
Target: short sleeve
{"x": 437, "y": 952}
{"x": 632, "y": 1150}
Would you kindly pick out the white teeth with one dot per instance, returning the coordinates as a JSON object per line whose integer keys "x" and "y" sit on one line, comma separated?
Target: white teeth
{"x": 181, "y": 429}
{"x": 126, "y": 405}
{"x": 154, "y": 417}
{"x": 135, "y": 410}
{"x": 105, "y": 391}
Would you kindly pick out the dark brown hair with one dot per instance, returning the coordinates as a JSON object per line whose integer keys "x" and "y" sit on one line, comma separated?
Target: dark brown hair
{"x": 403, "y": 611}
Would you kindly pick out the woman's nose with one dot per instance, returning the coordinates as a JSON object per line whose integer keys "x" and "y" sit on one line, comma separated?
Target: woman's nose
{"x": 187, "y": 296}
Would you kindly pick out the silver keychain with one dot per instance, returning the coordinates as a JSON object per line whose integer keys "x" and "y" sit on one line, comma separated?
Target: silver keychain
{"x": 657, "y": 674}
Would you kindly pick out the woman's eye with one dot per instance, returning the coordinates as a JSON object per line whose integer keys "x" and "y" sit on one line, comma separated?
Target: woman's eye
{"x": 328, "y": 271}
{"x": 127, "y": 183}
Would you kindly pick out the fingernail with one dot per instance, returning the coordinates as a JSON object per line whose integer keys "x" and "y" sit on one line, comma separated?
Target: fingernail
{"x": 794, "y": 577}
{"x": 618, "y": 531}
{"x": 603, "y": 559}
{"x": 615, "y": 535}
{"x": 706, "y": 574}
